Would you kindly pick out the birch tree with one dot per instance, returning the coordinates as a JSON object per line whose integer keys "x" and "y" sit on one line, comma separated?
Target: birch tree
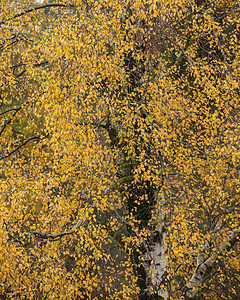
{"x": 119, "y": 149}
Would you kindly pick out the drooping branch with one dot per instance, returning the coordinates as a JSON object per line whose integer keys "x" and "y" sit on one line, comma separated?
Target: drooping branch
{"x": 53, "y": 237}
{"x": 11, "y": 109}
{"x": 35, "y": 137}
{"x": 204, "y": 266}
{"x": 29, "y": 10}
{"x": 7, "y": 122}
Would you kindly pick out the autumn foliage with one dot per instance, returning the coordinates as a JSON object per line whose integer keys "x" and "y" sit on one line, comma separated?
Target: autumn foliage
{"x": 119, "y": 149}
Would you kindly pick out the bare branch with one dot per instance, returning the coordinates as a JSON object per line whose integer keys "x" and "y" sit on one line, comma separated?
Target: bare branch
{"x": 44, "y": 62}
{"x": 110, "y": 246}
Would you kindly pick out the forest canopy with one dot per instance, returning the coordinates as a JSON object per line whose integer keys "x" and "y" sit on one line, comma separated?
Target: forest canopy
{"x": 119, "y": 149}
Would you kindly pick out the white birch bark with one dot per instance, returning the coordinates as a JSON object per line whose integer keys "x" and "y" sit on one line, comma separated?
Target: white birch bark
{"x": 205, "y": 265}
{"x": 156, "y": 262}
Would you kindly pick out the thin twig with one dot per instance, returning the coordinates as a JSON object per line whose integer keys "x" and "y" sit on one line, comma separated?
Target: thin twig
{"x": 182, "y": 50}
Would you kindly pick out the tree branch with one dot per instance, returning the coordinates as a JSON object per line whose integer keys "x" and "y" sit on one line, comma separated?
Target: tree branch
{"x": 205, "y": 266}
{"x": 182, "y": 50}
{"x": 35, "y": 137}
{"x": 11, "y": 109}
{"x": 53, "y": 237}
{"x": 7, "y": 122}
{"x": 26, "y": 11}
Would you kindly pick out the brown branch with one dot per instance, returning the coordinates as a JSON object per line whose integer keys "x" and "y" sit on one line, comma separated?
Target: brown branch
{"x": 11, "y": 109}
{"x": 182, "y": 50}
{"x": 26, "y": 11}
{"x": 53, "y": 237}
{"x": 44, "y": 62}
{"x": 34, "y": 65}
{"x": 35, "y": 137}
{"x": 205, "y": 155}
{"x": 7, "y": 122}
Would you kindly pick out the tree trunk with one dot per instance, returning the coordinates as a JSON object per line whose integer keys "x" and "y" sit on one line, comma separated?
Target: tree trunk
{"x": 156, "y": 262}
